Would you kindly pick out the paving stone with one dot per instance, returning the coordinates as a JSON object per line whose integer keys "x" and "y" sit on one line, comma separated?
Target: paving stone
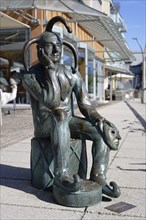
{"x": 33, "y": 213}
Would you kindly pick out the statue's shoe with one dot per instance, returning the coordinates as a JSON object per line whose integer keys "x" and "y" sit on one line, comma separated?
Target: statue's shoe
{"x": 68, "y": 183}
{"x": 112, "y": 190}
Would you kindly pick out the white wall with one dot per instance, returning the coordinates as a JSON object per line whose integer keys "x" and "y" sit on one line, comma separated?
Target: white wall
{"x": 93, "y": 4}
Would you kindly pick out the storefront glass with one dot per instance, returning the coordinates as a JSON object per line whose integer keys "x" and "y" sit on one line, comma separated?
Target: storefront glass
{"x": 68, "y": 59}
{"x": 11, "y": 56}
{"x": 11, "y": 44}
{"x": 81, "y": 62}
{"x": 99, "y": 79}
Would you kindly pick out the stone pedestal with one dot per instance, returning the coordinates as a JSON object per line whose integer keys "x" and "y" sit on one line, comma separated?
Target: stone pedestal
{"x": 42, "y": 163}
{"x": 42, "y": 173}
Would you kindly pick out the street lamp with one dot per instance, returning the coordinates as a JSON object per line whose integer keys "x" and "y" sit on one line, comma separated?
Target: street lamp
{"x": 143, "y": 95}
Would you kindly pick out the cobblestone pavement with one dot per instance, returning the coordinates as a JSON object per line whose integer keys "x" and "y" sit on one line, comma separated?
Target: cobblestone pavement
{"x": 15, "y": 127}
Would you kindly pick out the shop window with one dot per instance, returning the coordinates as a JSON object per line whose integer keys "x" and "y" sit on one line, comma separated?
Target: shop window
{"x": 11, "y": 52}
{"x": 99, "y": 79}
{"x": 68, "y": 58}
{"x": 81, "y": 62}
{"x": 11, "y": 44}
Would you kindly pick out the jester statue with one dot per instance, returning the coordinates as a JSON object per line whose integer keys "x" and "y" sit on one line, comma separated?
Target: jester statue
{"x": 51, "y": 85}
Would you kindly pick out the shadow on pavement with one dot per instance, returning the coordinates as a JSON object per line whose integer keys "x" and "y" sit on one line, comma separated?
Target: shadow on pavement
{"x": 142, "y": 170}
{"x": 138, "y": 116}
{"x": 19, "y": 178}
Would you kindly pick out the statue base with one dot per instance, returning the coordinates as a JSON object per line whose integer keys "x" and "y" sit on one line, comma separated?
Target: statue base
{"x": 42, "y": 162}
{"x": 90, "y": 194}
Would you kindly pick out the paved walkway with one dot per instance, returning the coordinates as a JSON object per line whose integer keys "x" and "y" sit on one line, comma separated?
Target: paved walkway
{"x": 127, "y": 167}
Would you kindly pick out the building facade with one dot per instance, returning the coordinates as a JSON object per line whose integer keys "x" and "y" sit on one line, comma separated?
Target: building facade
{"x": 102, "y": 50}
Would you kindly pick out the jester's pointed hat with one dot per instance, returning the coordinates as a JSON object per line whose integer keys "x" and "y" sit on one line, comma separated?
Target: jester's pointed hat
{"x": 38, "y": 40}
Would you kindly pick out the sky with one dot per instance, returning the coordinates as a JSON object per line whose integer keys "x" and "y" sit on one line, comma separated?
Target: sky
{"x": 133, "y": 13}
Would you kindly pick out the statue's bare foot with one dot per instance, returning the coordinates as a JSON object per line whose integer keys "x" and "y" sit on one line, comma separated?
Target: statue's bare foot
{"x": 67, "y": 182}
{"x": 111, "y": 190}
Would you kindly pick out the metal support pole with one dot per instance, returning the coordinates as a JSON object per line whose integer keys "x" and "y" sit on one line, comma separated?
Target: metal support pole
{"x": 86, "y": 68}
{"x": 94, "y": 78}
{"x": 111, "y": 92}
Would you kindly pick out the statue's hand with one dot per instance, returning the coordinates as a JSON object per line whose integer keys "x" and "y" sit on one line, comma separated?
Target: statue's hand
{"x": 45, "y": 59}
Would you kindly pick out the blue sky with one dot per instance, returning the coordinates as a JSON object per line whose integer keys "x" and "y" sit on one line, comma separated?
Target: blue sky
{"x": 134, "y": 15}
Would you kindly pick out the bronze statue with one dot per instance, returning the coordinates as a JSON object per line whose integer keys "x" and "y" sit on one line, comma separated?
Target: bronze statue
{"x": 51, "y": 85}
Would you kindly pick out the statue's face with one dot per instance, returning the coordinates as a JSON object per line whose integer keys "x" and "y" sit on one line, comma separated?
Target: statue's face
{"x": 112, "y": 136}
{"x": 52, "y": 46}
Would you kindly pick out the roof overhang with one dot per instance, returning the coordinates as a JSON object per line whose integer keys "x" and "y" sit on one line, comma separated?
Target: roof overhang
{"x": 122, "y": 76}
{"x": 117, "y": 70}
{"x": 7, "y": 22}
{"x": 95, "y": 22}
{"x": 105, "y": 31}
{"x": 69, "y": 6}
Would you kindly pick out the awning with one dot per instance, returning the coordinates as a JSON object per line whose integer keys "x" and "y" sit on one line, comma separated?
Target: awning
{"x": 7, "y": 22}
{"x": 105, "y": 31}
{"x": 95, "y": 22}
{"x": 67, "y": 6}
{"x": 122, "y": 76}
{"x": 116, "y": 70}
